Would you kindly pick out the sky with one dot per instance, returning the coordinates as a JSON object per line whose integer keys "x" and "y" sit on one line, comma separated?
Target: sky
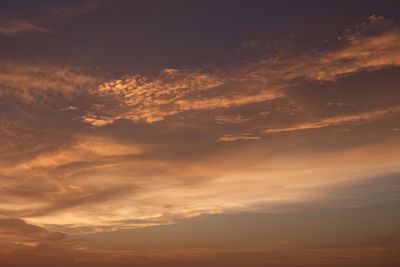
{"x": 199, "y": 133}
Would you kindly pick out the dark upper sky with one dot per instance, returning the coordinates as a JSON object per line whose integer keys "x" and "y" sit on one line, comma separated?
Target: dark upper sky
{"x": 147, "y": 36}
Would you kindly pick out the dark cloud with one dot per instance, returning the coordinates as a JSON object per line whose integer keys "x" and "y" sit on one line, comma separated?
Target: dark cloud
{"x": 18, "y": 227}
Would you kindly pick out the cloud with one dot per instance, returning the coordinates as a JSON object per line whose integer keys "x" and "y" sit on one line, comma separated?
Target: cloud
{"x": 35, "y": 83}
{"x": 172, "y": 92}
{"x": 178, "y": 144}
{"x": 14, "y": 26}
{"x": 18, "y": 227}
{"x": 166, "y": 196}
{"x": 138, "y": 98}
{"x": 78, "y": 197}
{"x": 95, "y": 121}
{"x": 230, "y": 119}
{"x": 337, "y": 120}
{"x": 85, "y": 154}
{"x": 362, "y": 54}
{"x": 245, "y": 136}
{"x": 85, "y": 148}
{"x": 46, "y": 169}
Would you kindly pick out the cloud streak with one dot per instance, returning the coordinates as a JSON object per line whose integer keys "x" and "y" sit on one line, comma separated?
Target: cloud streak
{"x": 15, "y": 26}
{"x": 338, "y": 120}
{"x": 245, "y": 136}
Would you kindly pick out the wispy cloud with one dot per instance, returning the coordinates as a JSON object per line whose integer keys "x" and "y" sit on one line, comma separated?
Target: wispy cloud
{"x": 230, "y": 119}
{"x": 245, "y": 136}
{"x": 35, "y": 83}
{"x": 336, "y": 120}
{"x": 14, "y": 26}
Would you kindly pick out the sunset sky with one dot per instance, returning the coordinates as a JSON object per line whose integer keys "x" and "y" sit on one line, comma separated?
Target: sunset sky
{"x": 196, "y": 133}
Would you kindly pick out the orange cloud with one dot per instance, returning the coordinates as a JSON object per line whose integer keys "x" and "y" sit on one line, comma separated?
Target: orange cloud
{"x": 173, "y": 92}
{"x": 245, "y": 136}
{"x": 230, "y": 119}
{"x": 336, "y": 120}
{"x": 32, "y": 83}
